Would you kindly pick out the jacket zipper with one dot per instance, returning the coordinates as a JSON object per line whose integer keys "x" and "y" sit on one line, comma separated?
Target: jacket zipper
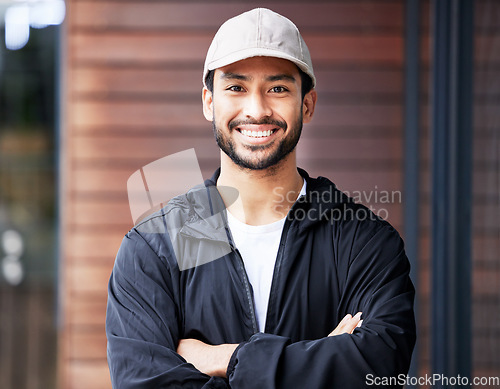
{"x": 249, "y": 294}
{"x": 277, "y": 266}
{"x": 246, "y": 281}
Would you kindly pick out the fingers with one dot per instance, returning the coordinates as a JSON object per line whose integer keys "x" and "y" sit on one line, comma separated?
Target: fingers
{"x": 347, "y": 324}
{"x": 354, "y": 322}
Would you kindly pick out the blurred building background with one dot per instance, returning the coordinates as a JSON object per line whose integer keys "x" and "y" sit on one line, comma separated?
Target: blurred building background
{"x": 28, "y": 205}
{"x": 117, "y": 86}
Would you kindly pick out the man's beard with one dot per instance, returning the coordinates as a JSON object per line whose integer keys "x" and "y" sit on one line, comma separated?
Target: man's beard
{"x": 285, "y": 147}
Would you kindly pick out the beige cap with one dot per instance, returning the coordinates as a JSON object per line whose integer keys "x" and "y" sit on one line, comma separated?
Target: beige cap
{"x": 258, "y": 33}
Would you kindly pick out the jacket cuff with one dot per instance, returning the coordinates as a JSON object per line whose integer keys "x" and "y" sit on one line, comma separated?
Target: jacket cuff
{"x": 234, "y": 360}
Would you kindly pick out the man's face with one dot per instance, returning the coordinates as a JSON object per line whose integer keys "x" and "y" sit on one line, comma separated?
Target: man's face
{"x": 256, "y": 110}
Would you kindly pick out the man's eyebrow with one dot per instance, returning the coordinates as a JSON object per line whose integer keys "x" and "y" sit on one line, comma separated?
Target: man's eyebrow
{"x": 242, "y": 77}
{"x": 281, "y": 77}
{"x": 234, "y": 76}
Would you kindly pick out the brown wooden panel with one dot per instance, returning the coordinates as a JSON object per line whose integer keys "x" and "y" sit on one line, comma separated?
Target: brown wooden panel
{"x": 151, "y": 113}
{"x": 110, "y": 180}
{"x": 86, "y": 278}
{"x": 85, "y": 311}
{"x": 424, "y": 255}
{"x": 425, "y": 51}
{"x": 150, "y": 148}
{"x": 387, "y": 82}
{"x": 209, "y": 15}
{"x": 484, "y": 321}
{"x": 127, "y": 83}
{"x": 140, "y": 48}
{"x": 87, "y": 374}
{"x": 486, "y": 351}
{"x": 484, "y": 83}
{"x": 485, "y": 281}
{"x": 157, "y": 147}
{"x": 157, "y": 114}
{"x": 351, "y": 149}
{"x": 87, "y": 345}
{"x": 484, "y": 46}
{"x": 486, "y": 14}
{"x": 363, "y": 49}
{"x": 100, "y": 245}
{"x": 101, "y": 213}
{"x": 423, "y": 319}
{"x": 118, "y": 47}
{"x": 101, "y": 81}
{"x": 486, "y": 216}
{"x": 483, "y": 119}
{"x": 317, "y": 163}
{"x": 486, "y": 248}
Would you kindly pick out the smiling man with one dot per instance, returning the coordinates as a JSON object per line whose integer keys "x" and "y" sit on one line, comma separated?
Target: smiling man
{"x": 299, "y": 264}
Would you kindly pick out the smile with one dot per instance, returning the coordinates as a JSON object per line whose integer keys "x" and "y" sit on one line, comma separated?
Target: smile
{"x": 257, "y": 134}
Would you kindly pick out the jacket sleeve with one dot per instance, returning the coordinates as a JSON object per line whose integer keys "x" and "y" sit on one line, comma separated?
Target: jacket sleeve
{"x": 142, "y": 324}
{"x": 377, "y": 283}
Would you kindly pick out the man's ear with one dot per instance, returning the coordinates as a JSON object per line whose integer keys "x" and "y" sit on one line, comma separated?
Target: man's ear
{"x": 308, "y": 105}
{"x": 208, "y": 106}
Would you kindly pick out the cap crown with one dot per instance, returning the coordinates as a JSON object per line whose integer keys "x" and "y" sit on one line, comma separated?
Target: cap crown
{"x": 259, "y": 32}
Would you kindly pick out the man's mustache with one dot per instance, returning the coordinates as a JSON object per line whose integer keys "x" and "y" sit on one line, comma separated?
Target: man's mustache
{"x": 277, "y": 123}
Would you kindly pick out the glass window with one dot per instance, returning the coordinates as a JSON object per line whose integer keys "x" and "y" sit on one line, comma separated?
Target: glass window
{"x": 27, "y": 212}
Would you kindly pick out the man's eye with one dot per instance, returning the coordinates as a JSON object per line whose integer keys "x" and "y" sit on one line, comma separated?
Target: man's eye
{"x": 235, "y": 88}
{"x": 278, "y": 89}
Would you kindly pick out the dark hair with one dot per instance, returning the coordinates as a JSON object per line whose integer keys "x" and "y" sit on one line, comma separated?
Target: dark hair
{"x": 306, "y": 82}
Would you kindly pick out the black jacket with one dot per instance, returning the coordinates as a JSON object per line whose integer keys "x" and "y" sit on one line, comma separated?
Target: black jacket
{"x": 335, "y": 257}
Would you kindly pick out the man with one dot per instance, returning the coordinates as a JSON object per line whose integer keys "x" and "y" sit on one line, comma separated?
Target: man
{"x": 267, "y": 293}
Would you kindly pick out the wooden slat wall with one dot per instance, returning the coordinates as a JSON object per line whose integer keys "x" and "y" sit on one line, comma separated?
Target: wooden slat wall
{"x": 486, "y": 199}
{"x": 132, "y": 95}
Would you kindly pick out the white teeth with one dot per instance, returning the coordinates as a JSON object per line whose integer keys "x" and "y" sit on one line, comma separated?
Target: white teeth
{"x": 257, "y": 134}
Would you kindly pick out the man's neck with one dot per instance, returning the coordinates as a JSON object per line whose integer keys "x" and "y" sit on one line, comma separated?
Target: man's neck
{"x": 265, "y": 196}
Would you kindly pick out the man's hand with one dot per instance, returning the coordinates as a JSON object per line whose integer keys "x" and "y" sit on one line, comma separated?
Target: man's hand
{"x": 211, "y": 360}
{"x": 347, "y": 325}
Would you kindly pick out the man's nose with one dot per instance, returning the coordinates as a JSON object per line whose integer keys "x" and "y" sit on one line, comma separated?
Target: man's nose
{"x": 257, "y": 106}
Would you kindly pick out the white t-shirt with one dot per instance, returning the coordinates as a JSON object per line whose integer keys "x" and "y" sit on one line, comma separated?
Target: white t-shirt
{"x": 258, "y": 246}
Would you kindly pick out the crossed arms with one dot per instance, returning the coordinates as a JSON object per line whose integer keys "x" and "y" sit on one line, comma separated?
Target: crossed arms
{"x": 214, "y": 360}
{"x": 146, "y": 333}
